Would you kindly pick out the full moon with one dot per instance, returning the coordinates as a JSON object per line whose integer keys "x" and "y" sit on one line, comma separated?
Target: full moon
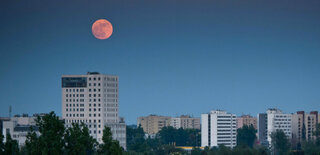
{"x": 102, "y": 29}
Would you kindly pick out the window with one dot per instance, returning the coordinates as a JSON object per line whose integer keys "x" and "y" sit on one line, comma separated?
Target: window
{"x": 94, "y": 79}
{"x": 89, "y": 79}
{"x": 89, "y": 84}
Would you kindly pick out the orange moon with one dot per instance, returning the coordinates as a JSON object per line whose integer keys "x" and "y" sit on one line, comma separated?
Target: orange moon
{"x": 102, "y": 29}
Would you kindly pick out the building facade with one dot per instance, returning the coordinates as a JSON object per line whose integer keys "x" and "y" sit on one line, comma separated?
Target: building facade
{"x": 218, "y": 128}
{"x": 18, "y": 127}
{"x": 304, "y": 125}
{"x": 274, "y": 120}
{"x": 262, "y": 121}
{"x": 152, "y": 124}
{"x": 246, "y": 120}
{"x": 185, "y": 122}
{"x": 93, "y": 100}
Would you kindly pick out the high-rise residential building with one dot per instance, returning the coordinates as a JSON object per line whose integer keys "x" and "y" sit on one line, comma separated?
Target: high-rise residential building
{"x": 304, "y": 125}
{"x": 93, "y": 99}
{"x": 246, "y": 120}
{"x": 18, "y": 127}
{"x": 218, "y": 128}
{"x": 152, "y": 124}
{"x": 185, "y": 122}
{"x": 275, "y": 120}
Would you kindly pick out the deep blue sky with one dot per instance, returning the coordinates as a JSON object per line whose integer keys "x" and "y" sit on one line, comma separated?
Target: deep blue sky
{"x": 172, "y": 56}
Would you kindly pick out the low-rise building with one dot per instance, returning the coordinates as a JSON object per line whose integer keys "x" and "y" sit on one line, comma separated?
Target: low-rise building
{"x": 18, "y": 127}
{"x": 185, "y": 122}
{"x": 246, "y": 120}
{"x": 152, "y": 124}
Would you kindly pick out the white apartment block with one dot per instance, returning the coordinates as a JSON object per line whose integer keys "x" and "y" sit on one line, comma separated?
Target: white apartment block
{"x": 93, "y": 99}
{"x": 18, "y": 127}
{"x": 272, "y": 121}
{"x": 185, "y": 122}
{"x": 218, "y": 128}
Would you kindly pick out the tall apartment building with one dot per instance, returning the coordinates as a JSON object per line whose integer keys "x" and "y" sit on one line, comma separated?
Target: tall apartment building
{"x": 218, "y": 128}
{"x": 93, "y": 99}
{"x": 303, "y": 125}
{"x": 246, "y": 120}
{"x": 274, "y": 120}
{"x": 152, "y": 124}
{"x": 185, "y": 122}
{"x": 18, "y": 127}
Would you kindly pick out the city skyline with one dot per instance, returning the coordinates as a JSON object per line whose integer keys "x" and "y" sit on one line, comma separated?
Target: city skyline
{"x": 172, "y": 58}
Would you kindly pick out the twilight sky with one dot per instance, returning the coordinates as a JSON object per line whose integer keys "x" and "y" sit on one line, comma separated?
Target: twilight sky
{"x": 173, "y": 57}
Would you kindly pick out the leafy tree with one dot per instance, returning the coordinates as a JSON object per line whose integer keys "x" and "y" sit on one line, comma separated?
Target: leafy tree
{"x": 317, "y": 134}
{"x": 78, "y": 140}
{"x": 1, "y": 143}
{"x": 109, "y": 146}
{"x": 303, "y": 136}
{"x": 280, "y": 143}
{"x": 11, "y": 146}
{"x": 196, "y": 151}
{"x": 136, "y": 139}
{"x": 313, "y": 147}
{"x": 50, "y": 140}
{"x": 32, "y": 144}
{"x": 168, "y": 135}
{"x": 246, "y": 135}
{"x": 180, "y": 137}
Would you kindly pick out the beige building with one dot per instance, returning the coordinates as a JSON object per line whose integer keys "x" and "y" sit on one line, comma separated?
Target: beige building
{"x": 246, "y": 120}
{"x": 185, "y": 122}
{"x": 152, "y": 124}
{"x": 303, "y": 125}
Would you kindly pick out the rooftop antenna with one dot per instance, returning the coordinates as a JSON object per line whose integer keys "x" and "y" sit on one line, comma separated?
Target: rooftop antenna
{"x": 10, "y": 110}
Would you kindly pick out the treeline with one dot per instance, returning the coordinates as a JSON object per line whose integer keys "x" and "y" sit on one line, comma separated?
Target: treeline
{"x": 55, "y": 139}
{"x": 168, "y": 138}
{"x": 163, "y": 143}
